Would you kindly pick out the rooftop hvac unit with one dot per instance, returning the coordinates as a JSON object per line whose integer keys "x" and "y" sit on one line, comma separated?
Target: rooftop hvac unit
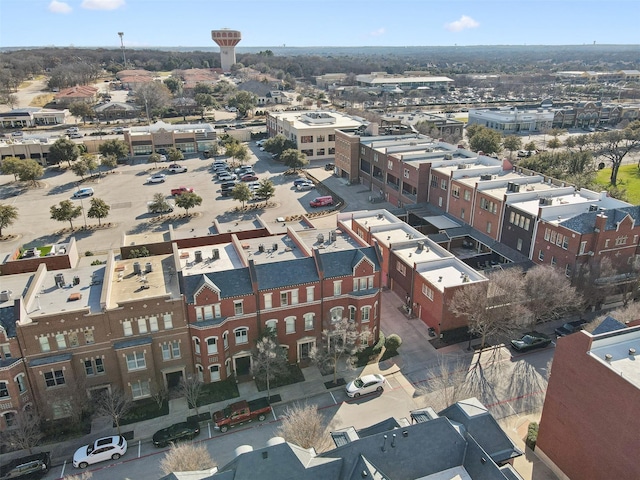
{"x": 275, "y": 247}
{"x": 332, "y": 236}
{"x": 516, "y": 188}
{"x": 5, "y": 295}
{"x": 485, "y": 176}
{"x": 320, "y": 238}
{"x": 261, "y": 247}
{"x": 593, "y": 208}
{"x": 462, "y": 166}
{"x": 198, "y": 256}
{"x": 136, "y": 268}
{"x": 510, "y": 187}
{"x": 59, "y": 278}
{"x": 215, "y": 253}
{"x": 76, "y": 280}
{"x": 448, "y": 156}
{"x": 420, "y": 245}
{"x": 148, "y": 267}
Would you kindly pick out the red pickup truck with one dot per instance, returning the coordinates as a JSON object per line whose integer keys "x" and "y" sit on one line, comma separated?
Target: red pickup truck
{"x": 241, "y": 412}
{"x": 180, "y": 190}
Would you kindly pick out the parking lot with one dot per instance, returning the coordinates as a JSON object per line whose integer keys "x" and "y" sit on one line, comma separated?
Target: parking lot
{"x": 127, "y": 192}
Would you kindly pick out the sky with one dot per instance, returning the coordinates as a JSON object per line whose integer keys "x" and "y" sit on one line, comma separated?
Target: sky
{"x": 309, "y": 23}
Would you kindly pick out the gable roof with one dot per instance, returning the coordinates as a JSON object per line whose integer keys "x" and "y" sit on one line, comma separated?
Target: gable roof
{"x": 609, "y": 324}
{"x": 286, "y": 273}
{"x": 231, "y": 283}
{"x": 477, "y": 420}
{"x": 586, "y": 222}
{"x": 342, "y": 263}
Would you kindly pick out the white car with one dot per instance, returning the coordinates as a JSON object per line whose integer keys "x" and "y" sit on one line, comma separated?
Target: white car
{"x": 305, "y": 186}
{"x": 106, "y": 448}
{"x": 157, "y": 178}
{"x": 175, "y": 168}
{"x": 226, "y": 176}
{"x": 83, "y": 192}
{"x": 365, "y": 384}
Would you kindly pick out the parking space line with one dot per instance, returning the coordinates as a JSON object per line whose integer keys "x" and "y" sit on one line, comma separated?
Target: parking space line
{"x": 275, "y": 419}
{"x": 139, "y": 448}
{"x": 335, "y": 402}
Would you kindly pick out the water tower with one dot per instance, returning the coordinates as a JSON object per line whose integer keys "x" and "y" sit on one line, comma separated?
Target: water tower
{"x": 227, "y": 40}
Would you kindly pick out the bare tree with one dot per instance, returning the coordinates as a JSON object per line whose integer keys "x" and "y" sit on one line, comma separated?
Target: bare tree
{"x": 191, "y": 388}
{"x": 159, "y": 394}
{"x": 339, "y": 341}
{"x": 269, "y": 360}
{"x": 186, "y": 457}
{"x": 548, "y": 294}
{"x": 492, "y": 308}
{"x": 449, "y": 382}
{"x": 114, "y": 404}
{"x": 303, "y": 425}
{"x": 27, "y": 432}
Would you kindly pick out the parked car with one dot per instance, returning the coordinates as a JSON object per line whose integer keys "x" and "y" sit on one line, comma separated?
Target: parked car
{"x": 299, "y": 181}
{"x": 76, "y": 135}
{"x": 84, "y": 192}
{"x": 175, "y": 168}
{"x": 163, "y": 158}
{"x": 570, "y": 327}
{"x": 31, "y": 466}
{"x": 180, "y": 190}
{"x": 17, "y": 133}
{"x": 243, "y": 169}
{"x": 321, "y": 201}
{"x": 241, "y": 412}
{"x": 72, "y": 130}
{"x": 305, "y": 186}
{"x": 157, "y": 178}
{"x": 106, "y": 448}
{"x": 249, "y": 177}
{"x": 118, "y": 130}
{"x": 226, "y": 176}
{"x": 531, "y": 341}
{"x": 365, "y": 384}
{"x": 176, "y": 432}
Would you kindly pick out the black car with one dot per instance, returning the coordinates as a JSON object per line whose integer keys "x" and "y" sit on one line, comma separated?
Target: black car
{"x": 32, "y": 466}
{"x": 531, "y": 341}
{"x": 570, "y": 327}
{"x": 176, "y": 432}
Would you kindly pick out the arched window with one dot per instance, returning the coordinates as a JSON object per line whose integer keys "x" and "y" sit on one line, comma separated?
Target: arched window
{"x": 336, "y": 314}
{"x": 242, "y": 335}
{"x": 214, "y": 371}
{"x": 290, "y": 323}
{"x": 366, "y": 314}
{"x": 309, "y": 321}
{"x": 200, "y": 372}
{"x": 212, "y": 345}
{"x": 352, "y": 313}
{"x": 271, "y": 325}
{"x": 4, "y": 390}
{"x": 196, "y": 342}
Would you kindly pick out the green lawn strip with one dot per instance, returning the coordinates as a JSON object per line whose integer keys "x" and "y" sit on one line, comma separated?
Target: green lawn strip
{"x": 628, "y": 178}
{"x": 218, "y": 391}
{"x": 294, "y": 375}
{"x": 145, "y": 409}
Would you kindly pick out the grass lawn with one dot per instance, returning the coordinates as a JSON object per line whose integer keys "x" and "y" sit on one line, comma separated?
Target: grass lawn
{"x": 628, "y": 178}
{"x": 218, "y": 391}
{"x": 294, "y": 375}
{"x": 145, "y": 409}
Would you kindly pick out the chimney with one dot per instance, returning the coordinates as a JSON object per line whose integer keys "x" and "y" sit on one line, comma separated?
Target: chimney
{"x": 601, "y": 222}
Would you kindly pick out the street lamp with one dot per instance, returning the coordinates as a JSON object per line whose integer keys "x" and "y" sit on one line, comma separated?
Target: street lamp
{"x": 82, "y": 205}
{"x": 124, "y": 58}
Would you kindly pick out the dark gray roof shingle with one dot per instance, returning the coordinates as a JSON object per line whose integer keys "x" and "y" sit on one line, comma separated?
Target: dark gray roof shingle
{"x": 286, "y": 273}
{"x": 134, "y": 342}
{"x": 231, "y": 283}
{"x": 63, "y": 357}
{"x": 586, "y": 222}
{"x": 341, "y": 263}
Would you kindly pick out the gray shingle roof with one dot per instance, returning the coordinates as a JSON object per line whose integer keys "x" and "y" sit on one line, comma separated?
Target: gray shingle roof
{"x": 37, "y": 362}
{"x": 286, "y": 273}
{"x": 8, "y": 320}
{"x": 134, "y": 342}
{"x": 231, "y": 283}
{"x": 341, "y": 263}
{"x": 585, "y": 222}
{"x": 609, "y": 324}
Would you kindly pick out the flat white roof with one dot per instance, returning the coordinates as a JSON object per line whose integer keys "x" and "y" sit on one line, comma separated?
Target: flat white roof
{"x": 441, "y": 222}
{"x": 618, "y": 346}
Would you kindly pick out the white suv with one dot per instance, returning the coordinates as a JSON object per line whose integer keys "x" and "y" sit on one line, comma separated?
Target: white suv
{"x": 107, "y": 448}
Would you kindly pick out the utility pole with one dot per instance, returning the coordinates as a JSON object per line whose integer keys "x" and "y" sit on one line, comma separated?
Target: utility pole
{"x": 124, "y": 58}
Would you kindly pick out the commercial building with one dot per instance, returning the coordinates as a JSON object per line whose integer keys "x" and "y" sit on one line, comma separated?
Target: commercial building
{"x": 159, "y": 136}
{"x": 29, "y": 146}
{"x": 32, "y": 117}
{"x": 592, "y": 397}
{"x": 80, "y": 93}
{"x": 406, "y": 81}
{"x": 313, "y": 132}
{"x": 510, "y": 120}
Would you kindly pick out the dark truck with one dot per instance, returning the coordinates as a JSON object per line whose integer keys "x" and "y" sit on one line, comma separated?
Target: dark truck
{"x": 570, "y": 327}
{"x": 241, "y": 412}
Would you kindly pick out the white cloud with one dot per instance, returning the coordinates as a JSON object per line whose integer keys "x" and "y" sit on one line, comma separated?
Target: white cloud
{"x": 377, "y": 33}
{"x": 463, "y": 23}
{"x": 59, "y": 7}
{"x": 102, "y": 4}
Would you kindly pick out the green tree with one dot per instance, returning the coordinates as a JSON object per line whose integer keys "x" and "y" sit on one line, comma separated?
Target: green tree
{"x": 174, "y": 154}
{"x": 159, "y": 204}
{"x": 154, "y": 158}
{"x": 115, "y": 147}
{"x": 278, "y": 144}
{"x": 554, "y": 143}
{"x": 615, "y": 145}
{"x": 530, "y": 146}
{"x": 109, "y": 161}
{"x": 294, "y": 158}
{"x": 188, "y": 200}
{"x": 30, "y": 171}
{"x": 240, "y": 152}
{"x": 80, "y": 168}
{"x": 98, "y": 209}
{"x": 174, "y": 85}
{"x": 512, "y": 143}
{"x": 66, "y": 212}
{"x": 243, "y": 101}
{"x": 8, "y": 215}
{"x": 266, "y": 190}
{"x": 269, "y": 361}
{"x": 153, "y": 97}
{"x": 63, "y": 150}
{"x": 206, "y": 101}
{"x": 242, "y": 193}
{"x": 485, "y": 140}
{"x": 82, "y": 110}
{"x": 11, "y": 166}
